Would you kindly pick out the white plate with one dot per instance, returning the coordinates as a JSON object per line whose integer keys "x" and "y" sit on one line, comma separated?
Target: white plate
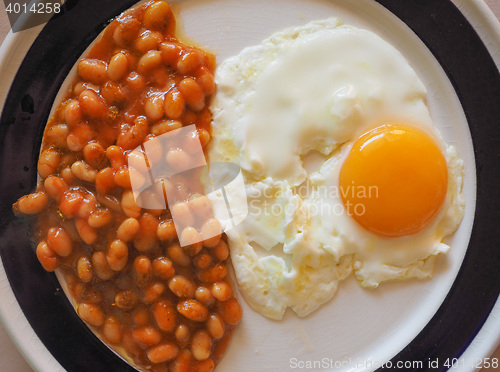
{"x": 359, "y": 329}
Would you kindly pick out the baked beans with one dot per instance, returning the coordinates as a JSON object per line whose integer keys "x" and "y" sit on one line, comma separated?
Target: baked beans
{"x": 170, "y": 307}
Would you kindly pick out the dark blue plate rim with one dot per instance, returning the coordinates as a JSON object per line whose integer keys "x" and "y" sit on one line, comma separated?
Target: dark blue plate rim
{"x": 438, "y": 23}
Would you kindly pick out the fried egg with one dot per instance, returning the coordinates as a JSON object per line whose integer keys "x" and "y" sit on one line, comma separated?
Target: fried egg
{"x": 344, "y": 170}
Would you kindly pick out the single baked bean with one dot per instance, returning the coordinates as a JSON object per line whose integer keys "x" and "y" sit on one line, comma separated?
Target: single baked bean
{"x": 110, "y": 202}
{"x": 192, "y": 93}
{"x": 170, "y": 52}
{"x": 79, "y": 136}
{"x": 182, "y": 214}
{"x": 213, "y": 274}
{"x": 126, "y": 31}
{"x": 105, "y": 180}
{"x": 114, "y": 95}
{"x": 178, "y": 255}
{"x": 134, "y": 135}
{"x": 206, "y": 365}
{"x": 32, "y": 203}
{"x": 146, "y": 336}
{"x": 230, "y": 311}
{"x": 55, "y": 187}
{"x": 122, "y": 178}
{"x": 216, "y": 326}
{"x": 143, "y": 270}
{"x": 204, "y": 295}
{"x": 112, "y": 330}
{"x": 178, "y": 159}
{"x": 87, "y": 206}
{"x": 191, "y": 240}
{"x": 73, "y": 113}
{"x": 181, "y": 286}
{"x": 94, "y": 155}
{"x": 221, "y": 251}
{"x": 164, "y": 315}
{"x": 82, "y": 85}
{"x": 182, "y": 333}
{"x": 152, "y": 292}
{"x": 193, "y": 310}
{"x": 83, "y": 171}
{"x": 59, "y": 241}
{"x": 211, "y": 232}
{"x": 126, "y": 300}
{"x": 100, "y": 218}
{"x": 93, "y": 70}
{"x": 165, "y": 126}
{"x": 162, "y": 353}
{"x": 202, "y": 260}
{"x": 67, "y": 175}
{"x": 128, "y": 229}
{"x": 87, "y": 233}
{"x": 174, "y": 104}
{"x": 189, "y": 61}
{"x": 206, "y": 80}
{"x": 129, "y": 207}
{"x": 201, "y": 345}
{"x": 48, "y": 162}
{"x": 135, "y": 82}
{"x": 101, "y": 267}
{"x": 153, "y": 107}
{"x": 70, "y": 203}
{"x": 148, "y": 40}
{"x": 56, "y": 135}
{"x": 183, "y": 362}
{"x": 149, "y": 62}
{"x": 157, "y": 15}
{"x": 204, "y": 137}
{"x": 46, "y": 256}
{"x": 163, "y": 268}
{"x": 91, "y": 313}
{"x": 84, "y": 269}
{"x": 146, "y": 238}
{"x": 221, "y": 291}
{"x": 117, "y": 255}
{"x": 116, "y": 157}
{"x": 118, "y": 67}
{"x": 166, "y": 230}
{"x": 93, "y": 105}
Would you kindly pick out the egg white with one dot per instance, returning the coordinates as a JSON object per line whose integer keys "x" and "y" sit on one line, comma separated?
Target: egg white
{"x": 313, "y": 90}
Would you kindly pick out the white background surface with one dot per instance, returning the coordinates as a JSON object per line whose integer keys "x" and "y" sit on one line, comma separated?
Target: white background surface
{"x": 10, "y": 359}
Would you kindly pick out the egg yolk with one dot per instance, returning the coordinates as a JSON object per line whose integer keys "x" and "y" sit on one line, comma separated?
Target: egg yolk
{"x": 394, "y": 180}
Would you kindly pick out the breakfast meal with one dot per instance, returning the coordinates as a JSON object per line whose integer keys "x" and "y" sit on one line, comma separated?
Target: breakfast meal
{"x": 343, "y": 168}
